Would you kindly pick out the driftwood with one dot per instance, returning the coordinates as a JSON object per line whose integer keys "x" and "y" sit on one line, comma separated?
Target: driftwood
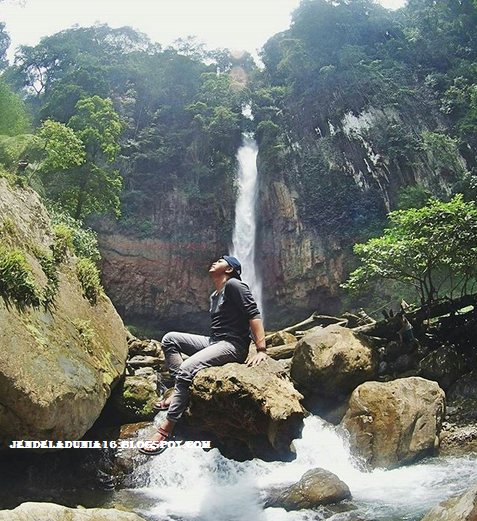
{"x": 387, "y": 328}
{"x": 313, "y": 320}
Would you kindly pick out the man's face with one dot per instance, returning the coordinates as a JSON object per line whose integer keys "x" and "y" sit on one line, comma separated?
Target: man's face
{"x": 219, "y": 267}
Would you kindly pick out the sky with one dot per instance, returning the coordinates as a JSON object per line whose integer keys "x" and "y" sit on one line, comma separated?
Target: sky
{"x": 233, "y": 24}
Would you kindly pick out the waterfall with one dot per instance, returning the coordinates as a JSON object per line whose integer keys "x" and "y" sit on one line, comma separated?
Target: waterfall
{"x": 243, "y": 240}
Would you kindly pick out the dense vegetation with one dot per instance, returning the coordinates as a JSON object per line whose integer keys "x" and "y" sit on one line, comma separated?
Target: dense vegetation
{"x": 354, "y": 102}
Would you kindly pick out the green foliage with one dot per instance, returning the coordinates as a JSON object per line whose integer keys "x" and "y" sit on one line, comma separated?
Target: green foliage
{"x": 17, "y": 284}
{"x": 89, "y": 277}
{"x": 63, "y": 242}
{"x": 429, "y": 248}
{"x": 74, "y": 235}
{"x": 8, "y": 227}
{"x": 49, "y": 265}
{"x": 76, "y": 159}
{"x": 13, "y": 114}
{"x": 414, "y": 196}
{"x": 4, "y": 44}
{"x": 62, "y": 148}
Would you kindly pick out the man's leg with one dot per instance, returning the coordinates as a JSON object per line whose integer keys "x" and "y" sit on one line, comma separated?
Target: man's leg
{"x": 216, "y": 354}
{"x": 173, "y": 344}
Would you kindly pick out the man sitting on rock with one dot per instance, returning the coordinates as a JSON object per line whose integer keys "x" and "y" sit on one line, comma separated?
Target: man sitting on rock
{"x": 233, "y": 314}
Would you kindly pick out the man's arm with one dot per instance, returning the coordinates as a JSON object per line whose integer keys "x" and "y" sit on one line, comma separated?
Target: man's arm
{"x": 256, "y": 325}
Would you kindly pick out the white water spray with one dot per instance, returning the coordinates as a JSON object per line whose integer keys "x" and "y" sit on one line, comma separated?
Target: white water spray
{"x": 193, "y": 485}
{"x": 243, "y": 240}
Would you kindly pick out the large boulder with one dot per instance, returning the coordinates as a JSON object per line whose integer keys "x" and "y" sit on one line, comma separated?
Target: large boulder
{"x": 251, "y": 411}
{"x": 316, "y": 487}
{"x": 332, "y": 361}
{"x": 458, "y": 508}
{"x": 394, "y": 423}
{"x": 52, "y": 512}
{"x": 58, "y": 363}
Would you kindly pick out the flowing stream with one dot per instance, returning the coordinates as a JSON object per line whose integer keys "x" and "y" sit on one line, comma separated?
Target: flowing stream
{"x": 196, "y": 485}
{"x": 243, "y": 240}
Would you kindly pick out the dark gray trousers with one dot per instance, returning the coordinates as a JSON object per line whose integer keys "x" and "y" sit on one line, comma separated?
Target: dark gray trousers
{"x": 202, "y": 352}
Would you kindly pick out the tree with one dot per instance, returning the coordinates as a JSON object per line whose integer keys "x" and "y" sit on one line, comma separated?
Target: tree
{"x": 76, "y": 159}
{"x": 13, "y": 115}
{"x": 63, "y": 150}
{"x": 97, "y": 185}
{"x": 432, "y": 248}
{"x": 4, "y": 45}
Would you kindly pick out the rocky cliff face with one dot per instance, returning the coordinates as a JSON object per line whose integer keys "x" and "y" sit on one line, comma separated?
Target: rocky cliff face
{"x": 58, "y": 361}
{"x": 304, "y": 251}
{"x": 162, "y": 280}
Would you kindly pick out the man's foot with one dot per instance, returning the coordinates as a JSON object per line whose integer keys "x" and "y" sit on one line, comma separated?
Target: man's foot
{"x": 155, "y": 443}
{"x": 162, "y": 405}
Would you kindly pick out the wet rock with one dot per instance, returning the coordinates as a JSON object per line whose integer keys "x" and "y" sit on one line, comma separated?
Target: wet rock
{"x": 52, "y": 512}
{"x": 456, "y": 440}
{"x": 251, "y": 411}
{"x": 395, "y": 423}
{"x": 281, "y": 338}
{"x": 459, "y": 508}
{"x": 133, "y": 400}
{"x": 444, "y": 366}
{"x": 316, "y": 487}
{"x": 332, "y": 361}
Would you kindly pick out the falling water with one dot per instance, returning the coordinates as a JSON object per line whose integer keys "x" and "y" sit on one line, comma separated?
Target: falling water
{"x": 192, "y": 485}
{"x": 243, "y": 241}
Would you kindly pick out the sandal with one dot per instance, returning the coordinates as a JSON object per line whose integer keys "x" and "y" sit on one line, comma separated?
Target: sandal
{"x": 156, "y": 448}
{"x": 161, "y": 405}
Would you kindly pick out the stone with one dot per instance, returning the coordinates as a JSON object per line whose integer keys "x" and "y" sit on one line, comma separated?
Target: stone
{"x": 57, "y": 365}
{"x": 251, "y": 411}
{"x": 444, "y": 365}
{"x": 144, "y": 347}
{"x": 316, "y": 487}
{"x": 395, "y": 423}
{"x": 465, "y": 387}
{"x": 281, "y": 338}
{"x": 332, "y": 361}
{"x": 133, "y": 400}
{"x": 52, "y": 512}
{"x": 282, "y": 352}
{"x": 458, "y": 508}
{"x": 144, "y": 361}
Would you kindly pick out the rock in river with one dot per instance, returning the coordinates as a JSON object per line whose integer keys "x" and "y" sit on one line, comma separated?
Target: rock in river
{"x": 395, "y": 423}
{"x": 316, "y": 487}
{"x": 252, "y": 411}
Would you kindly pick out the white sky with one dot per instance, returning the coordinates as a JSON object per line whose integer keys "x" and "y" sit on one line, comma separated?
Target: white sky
{"x": 234, "y": 24}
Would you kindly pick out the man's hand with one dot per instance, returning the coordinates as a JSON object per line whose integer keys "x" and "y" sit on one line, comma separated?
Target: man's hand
{"x": 256, "y": 359}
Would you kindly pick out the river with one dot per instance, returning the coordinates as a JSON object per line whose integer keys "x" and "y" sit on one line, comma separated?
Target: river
{"x": 196, "y": 485}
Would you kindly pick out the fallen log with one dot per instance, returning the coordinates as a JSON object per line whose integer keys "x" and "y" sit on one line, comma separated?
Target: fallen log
{"x": 313, "y": 320}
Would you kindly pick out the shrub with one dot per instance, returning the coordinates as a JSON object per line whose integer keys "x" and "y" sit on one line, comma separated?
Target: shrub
{"x": 63, "y": 241}
{"x": 83, "y": 240}
{"x": 16, "y": 279}
{"x": 88, "y": 275}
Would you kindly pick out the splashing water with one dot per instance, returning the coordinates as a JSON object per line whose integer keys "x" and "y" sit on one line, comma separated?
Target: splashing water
{"x": 193, "y": 485}
{"x": 243, "y": 240}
